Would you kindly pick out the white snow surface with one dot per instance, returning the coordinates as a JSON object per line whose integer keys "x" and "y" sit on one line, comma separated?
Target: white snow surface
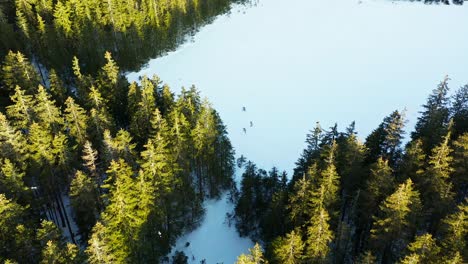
{"x": 216, "y": 240}
{"x": 292, "y": 63}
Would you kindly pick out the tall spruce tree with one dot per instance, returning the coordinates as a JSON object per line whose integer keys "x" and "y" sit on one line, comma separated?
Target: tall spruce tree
{"x": 396, "y": 221}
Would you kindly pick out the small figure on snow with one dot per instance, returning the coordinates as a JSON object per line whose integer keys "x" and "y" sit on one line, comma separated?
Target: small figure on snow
{"x": 251, "y": 124}
{"x": 245, "y": 130}
{"x": 243, "y": 109}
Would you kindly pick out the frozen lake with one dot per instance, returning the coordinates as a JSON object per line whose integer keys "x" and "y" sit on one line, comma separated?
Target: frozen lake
{"x": 292, "y": 63}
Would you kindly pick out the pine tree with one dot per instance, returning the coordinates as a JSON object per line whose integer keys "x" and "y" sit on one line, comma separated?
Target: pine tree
{"x": 141, "y": 118}
{"x": 454, "y": 259}
{"x": 319, "y": 237}
{"x": 432, "y": 123}
{"x": 12, "y": 182}
{"x": 330, "y": 181}
{"x": 62, "y": 19}
{"x": 99, "y": 246}
{"x": 77, "y": 120}
{"x": 83, "y": 82}
{"x": 380, "y": 184}
{"x": 423, "y": 250}
{"x": 289, "y": 250}
{"x": 413, "y": 163}
{"x": 18, "y": 71}
{"x": 459, "y": 111}
{"x": 455, "y": 230}
{"x": 47, "y": 114}
{"x": 21, "y": 111}
{"x": 255, "y": 256}
{"x": 460, "y": 165}
{"x": 123, "y": 215}
{"x": 119, "y": 147}
{"x": 57, "y": 88}
{"x": 386, "y": 139}
{"x": 12, "y": 143}
{"x": 165, "y": 100}
{"x": 54, "y": 247}
{"x": 349, "y": 158}
{"x": 39, "y": 144}
{"x": 438, "y": 194}
{"x": 111, "y": 86}
{"x": 89, "y": 158}
{"x": 204, "y": 135}
{"x": 298, "y": 203}
{"x": 159, "y": 165}
{"x": 53, "y": 253}
{"x": 100, "y": 121}
{"x": 12, "y": 216}
{"x": 313, "y": 140}
{"x": 84, "y": 199}
{"x": 396, "y": 220}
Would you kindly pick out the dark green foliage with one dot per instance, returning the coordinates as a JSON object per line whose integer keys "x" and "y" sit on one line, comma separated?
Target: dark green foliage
{"x": 134, "y": 31}
{"x": 432, "y": 124}
{"x": 385, "y": 141}
{"x": 376, "y": 202}
{"x": 132, "y": 192}
{"x": 179, "y": 258}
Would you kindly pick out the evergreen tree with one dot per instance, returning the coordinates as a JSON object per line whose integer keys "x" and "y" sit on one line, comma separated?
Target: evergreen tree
{"x": 99, "y": 246}
{"x": 47, "y": 114}
{"x": 459, "y": 111}
{"x": 396, "y": 221}
{"x": 54, "y": 247}
{"x": 349, "y": 158}
{"x": 455, "y": 231}
{"x": 438, "y": 193}
{"x": 460, "y": 166}
{"x": 21, "y": 112}
{"x": 298, "y": 203}
{"x": 311, "y": 151}
{"x": 12, "y": 217}
{"x": 319, "y": 237}
{"x": 432, "y": 124}
{"x": 18, "y": 71}
{"x": 57, "y": 88}
{"x": 122, "y": 203}
{"x": 89, "y": 158}
{"x": 423, "y": 250}
{"x": 119, "y": 147}
{"x": 289, "y": 250}
{"x": 330, "y": 182}
{"x": 255, "y": 256}
{"x": 141, "y": 119}
{"x": 379, "y": 185}
{"x": 12, "y": 182}
{"x": 12, "y": 143}
{"x": 386, "y": 139}
{"x": 83, "y": 195}
{"x": 77, "y": 120}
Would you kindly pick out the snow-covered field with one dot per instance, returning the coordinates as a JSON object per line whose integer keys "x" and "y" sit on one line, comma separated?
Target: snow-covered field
{"x": 292, "y": 63}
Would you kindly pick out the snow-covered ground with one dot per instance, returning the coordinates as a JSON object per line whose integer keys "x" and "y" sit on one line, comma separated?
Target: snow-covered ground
{"x": 292, "y": 63}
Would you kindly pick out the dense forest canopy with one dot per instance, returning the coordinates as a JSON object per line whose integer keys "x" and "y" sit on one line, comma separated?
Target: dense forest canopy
{"x": 371, "y": 202}
{"x": 134, "y": 160}
{"x": 92, "y": 168}
{"x": 52, "y": 32}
